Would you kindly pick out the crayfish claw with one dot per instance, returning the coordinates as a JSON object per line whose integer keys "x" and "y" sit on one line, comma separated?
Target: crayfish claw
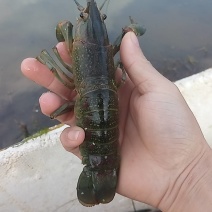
{"x": 134, "y": 27}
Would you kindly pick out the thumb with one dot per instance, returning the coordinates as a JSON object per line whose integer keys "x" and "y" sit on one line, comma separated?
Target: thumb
{"x": 138, "y": 68}
{"x": 71, "y": 138}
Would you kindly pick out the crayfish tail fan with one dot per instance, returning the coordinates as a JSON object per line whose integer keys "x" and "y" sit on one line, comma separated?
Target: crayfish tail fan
{"x": 96, "y": 187}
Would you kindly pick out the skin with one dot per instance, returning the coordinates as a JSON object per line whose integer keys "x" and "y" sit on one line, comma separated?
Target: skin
{"x": 165, "y": 160}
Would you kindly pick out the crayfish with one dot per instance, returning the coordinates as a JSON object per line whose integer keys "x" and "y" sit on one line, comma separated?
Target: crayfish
{"x": 96, "y": 106}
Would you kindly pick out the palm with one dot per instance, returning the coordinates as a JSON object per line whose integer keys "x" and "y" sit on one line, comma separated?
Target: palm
{"x": 147, "y": 125}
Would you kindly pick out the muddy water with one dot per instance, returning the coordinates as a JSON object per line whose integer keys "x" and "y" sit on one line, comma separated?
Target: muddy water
{"x": 178, "y": 42}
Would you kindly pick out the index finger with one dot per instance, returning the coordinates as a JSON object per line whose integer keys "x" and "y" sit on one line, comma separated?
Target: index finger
{"x": 41, "y": 75}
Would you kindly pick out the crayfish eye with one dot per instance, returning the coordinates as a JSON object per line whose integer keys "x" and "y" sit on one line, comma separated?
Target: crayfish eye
{"x": 84, "y": 16}
{"x": 104, "y": 16}
{"x": 81, "y": 15}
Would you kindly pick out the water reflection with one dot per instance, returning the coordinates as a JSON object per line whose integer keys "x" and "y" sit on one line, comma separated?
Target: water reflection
{"x": 176, "y": 31}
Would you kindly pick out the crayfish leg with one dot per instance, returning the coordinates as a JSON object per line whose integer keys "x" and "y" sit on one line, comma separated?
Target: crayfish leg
{"x": 124, "y": 75}
{"x": 63, "y": 109}
{"x": 47, "y": 60}
{"x": 117, "y": 44}
{"x": 68, "y": 67}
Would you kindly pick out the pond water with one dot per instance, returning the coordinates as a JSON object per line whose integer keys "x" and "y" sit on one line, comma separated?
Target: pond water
{"x": 178, "y": 42}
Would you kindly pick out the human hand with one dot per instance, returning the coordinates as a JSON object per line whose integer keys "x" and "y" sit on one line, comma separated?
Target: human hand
{"x": 161, "y": 143}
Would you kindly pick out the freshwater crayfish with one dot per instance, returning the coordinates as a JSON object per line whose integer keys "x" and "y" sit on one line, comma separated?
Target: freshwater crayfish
{"x": 96, "y": 105}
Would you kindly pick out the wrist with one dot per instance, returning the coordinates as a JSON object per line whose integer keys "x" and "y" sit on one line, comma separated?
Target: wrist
{"x": 192, "y": 191}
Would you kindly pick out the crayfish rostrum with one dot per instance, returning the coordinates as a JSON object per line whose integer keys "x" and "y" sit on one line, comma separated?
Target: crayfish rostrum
{"x": 96, "y": 106}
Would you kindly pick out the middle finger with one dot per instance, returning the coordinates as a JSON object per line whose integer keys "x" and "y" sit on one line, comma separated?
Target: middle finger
{"x": 50, "y": 102}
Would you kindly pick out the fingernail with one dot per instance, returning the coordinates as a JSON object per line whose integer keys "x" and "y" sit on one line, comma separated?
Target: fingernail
{"x": 73, "y": 135}
{"x": 43, "y": 99}
{"x": 134, "y": 39}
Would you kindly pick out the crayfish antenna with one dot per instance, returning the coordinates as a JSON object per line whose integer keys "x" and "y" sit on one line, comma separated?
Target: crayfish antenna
{"x": 100, "y": 8}
{"x": 79, "y": 6}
